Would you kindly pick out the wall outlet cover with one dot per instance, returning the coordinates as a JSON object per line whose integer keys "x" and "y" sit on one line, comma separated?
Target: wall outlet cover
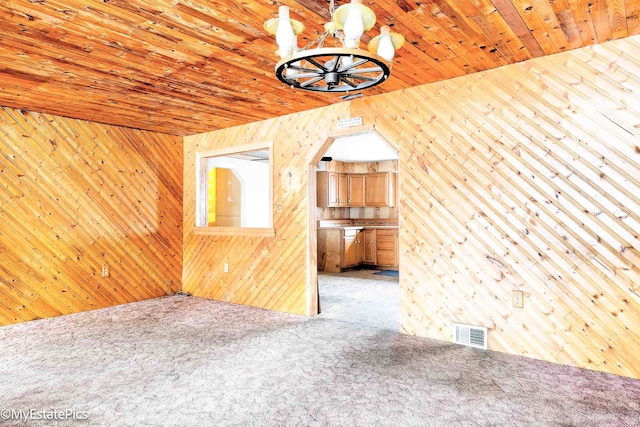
{"x": 518, "y": 299}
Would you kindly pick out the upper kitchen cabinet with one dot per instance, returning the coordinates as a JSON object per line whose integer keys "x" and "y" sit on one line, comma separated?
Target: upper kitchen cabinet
{"x": 337, "y": 189}
{"x": 355, "y": 190}
{"x": 331, "y": 189}
{"x": 343, "y": 187}
{"x": 381, "y": 189}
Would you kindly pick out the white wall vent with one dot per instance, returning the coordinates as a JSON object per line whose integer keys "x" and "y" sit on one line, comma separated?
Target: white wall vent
{"x": 472, "y": 336}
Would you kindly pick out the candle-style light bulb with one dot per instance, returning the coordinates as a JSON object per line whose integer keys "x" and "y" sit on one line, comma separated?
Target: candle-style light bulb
{"x": 385, "y": 47}
{"x": 353, "y": 26}
{"x": 285, "y": 37}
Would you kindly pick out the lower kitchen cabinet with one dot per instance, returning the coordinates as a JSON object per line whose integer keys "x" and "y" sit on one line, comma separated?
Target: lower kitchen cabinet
{"x": 369, "y": 244}
{"x": 346, "y": 247}
{"x": 351, "y": 248}
{"x": 387, "y": 247}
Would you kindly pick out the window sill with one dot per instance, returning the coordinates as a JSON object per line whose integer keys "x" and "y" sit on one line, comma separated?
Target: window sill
{"x": 234, "y": 231}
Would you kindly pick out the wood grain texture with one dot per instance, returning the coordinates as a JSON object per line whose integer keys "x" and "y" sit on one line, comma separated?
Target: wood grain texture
{"x": 76, "y": 195}
{"x": 524, "y": 178}
{"x": 184, "y": 67}
{"x": 330, "y": 245}
{"x": 263, "y": 272}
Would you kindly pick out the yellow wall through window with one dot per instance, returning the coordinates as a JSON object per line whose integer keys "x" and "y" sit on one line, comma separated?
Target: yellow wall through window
{"x": 224, "y": 198}
{"x": 211, "y": 196}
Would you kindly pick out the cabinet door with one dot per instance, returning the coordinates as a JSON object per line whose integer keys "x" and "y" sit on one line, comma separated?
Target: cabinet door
{"x": 387, "y": 247}
{"x": 356, "y": 190}
{"x": 369, "y": 243}
{"x": 327, "y": 189}
{"x": 342, "y": 189}
{"x": 359, "y": 247}
{"x": 380, "y": 189}
{"x": 376, "y": 189}
{"x": 333, "y": 189}
{"x": 349, "y": 251}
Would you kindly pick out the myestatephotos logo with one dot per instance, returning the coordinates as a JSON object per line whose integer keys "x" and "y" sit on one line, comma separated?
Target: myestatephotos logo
{"x": 50, "y": 415}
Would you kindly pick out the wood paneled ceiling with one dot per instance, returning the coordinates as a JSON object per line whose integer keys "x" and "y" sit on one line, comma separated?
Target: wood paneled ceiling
{"x": 189, "y": 66}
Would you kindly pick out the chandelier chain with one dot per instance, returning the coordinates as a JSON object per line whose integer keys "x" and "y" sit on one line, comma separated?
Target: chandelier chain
{"x": 318, "y": 42}
{"x": 332, "y": 8}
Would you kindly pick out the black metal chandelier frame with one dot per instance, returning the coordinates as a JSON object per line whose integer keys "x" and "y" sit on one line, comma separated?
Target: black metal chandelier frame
{"x": 328, "y": 69}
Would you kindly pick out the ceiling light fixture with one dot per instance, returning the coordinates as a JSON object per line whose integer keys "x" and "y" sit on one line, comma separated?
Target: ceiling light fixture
{"x": 342, "y": 68}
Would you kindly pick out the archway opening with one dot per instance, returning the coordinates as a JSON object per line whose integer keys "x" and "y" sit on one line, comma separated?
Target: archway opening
{"x": 354, "y": 215}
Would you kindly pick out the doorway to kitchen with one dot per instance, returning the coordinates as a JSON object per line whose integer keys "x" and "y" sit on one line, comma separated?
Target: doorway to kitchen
{"x": 355, "y": 225}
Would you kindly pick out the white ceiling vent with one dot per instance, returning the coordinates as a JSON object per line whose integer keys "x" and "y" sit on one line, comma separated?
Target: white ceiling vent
{"x": 472, "y": 336}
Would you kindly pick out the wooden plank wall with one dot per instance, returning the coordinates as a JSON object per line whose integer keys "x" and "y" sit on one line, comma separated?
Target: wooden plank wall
{"x": 263, "y": 272}
{"x": 76, "y": 195}
{"x": 525, "y": 178}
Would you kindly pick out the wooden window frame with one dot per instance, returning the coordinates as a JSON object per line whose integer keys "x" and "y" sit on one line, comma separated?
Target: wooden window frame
{"x": 201, "y": 193}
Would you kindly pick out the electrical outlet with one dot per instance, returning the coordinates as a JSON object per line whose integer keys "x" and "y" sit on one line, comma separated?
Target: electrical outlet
{"x": 517, "y": 298}
{"x": 105, "y": 270}
{"x": 226, "y": 267}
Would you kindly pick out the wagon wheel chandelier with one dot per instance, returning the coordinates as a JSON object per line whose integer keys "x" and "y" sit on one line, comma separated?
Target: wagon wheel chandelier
{"x": 342, "y": 68}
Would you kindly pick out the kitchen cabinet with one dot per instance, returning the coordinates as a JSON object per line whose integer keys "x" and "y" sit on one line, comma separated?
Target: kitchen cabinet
{"x": 328, "y": 188}
{"x": 355, "y": 190}
{"x": 337, "y": 189}
{"x": 349, "y": 249}
{"x": 343, "y": 196}
{"x": 387, "y": 247}
{"x": 345, "y": 247}
{"x": 369, "y": 246}
{"x": 381, "y": 189}
{"x": 352, "y": 249}
{"x": 339, "y": 248}
{"x": 359, "y": 246}
{"x": 332, "y": 189}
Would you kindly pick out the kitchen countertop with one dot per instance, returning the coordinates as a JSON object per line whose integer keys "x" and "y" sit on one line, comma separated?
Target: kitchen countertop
{"x": 357, "y": 224}
{"x": 358, "y": 227}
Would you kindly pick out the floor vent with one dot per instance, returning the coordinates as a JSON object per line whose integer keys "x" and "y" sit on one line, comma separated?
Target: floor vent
{"x": 472, "y": 336}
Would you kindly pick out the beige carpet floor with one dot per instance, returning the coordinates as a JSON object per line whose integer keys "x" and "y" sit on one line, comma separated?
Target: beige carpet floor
{"x": 362, "y": 297}
{"x": 186, "y": 361}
